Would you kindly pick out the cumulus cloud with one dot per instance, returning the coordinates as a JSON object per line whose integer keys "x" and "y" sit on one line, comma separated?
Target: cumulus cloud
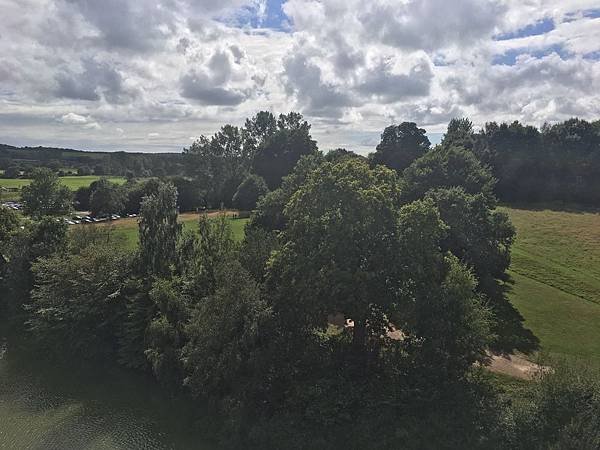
{"x": 184, "y": 67}
{"x": 77, "y": 119}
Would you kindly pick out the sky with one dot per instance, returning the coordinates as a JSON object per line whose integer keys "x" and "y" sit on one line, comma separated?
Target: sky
{"x": 154, "y": 75}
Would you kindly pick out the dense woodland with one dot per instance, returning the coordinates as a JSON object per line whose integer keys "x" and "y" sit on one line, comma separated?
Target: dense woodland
{"x": 406, "y": 245}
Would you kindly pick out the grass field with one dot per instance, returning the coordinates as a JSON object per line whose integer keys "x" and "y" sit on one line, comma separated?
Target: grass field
{"x": 126, "y": 230}
{"x": 72, "y": 182}
{"x": 556, "y": 279}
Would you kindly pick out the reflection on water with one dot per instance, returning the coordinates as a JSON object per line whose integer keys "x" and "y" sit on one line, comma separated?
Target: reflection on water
{"x": 44, "y": 406}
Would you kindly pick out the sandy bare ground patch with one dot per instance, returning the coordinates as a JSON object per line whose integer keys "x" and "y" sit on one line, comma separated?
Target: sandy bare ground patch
{"x": 516, "y": 366}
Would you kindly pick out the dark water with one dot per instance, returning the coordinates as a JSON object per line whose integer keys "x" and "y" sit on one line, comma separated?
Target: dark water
{"x": 49, "y": 406}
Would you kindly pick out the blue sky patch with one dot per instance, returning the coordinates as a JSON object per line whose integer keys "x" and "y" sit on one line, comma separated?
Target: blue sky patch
{"x": 509, "y": 58}
{"x": 272, "y": 17}
{"x": 592, "y": 13}
{"x": 533, "y": 29}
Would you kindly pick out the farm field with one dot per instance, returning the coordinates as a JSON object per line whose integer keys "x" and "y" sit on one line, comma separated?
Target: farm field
{"x": 126, "y": 230}
{"x": 555, "y": 275}
{"x": 72, "y": 182}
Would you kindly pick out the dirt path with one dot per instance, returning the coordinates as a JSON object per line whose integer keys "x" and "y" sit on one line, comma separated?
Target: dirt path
{"x": 515, "y": 366}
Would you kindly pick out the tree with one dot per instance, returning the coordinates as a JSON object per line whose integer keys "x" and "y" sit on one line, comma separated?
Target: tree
{"x": 400, "y": 145}
{"x": 76, "y": 303}
{"x": 9, "y": 223}
{"x": 447, "y": 168}
{"x": 12, "y": 172}
{"x": 39, "y": 239}
{"x": 106, "y": 198}
{"x": 249, "y": 192}
{"x": 269, "y": 210}
{"x": 188, "y": 194}
{"x": 258, "y": 129}
{"x": 45, "y": 195}
{"x": 218, "y": 165}
{"x": 279, "y": 153}
{"x": 135, "y": 191}
{"x": 459, "y": 134}
{"x": 165, "y": 334}
{"x": 159, "y": 231}
{"x": 226, "y": 331}
{"x": 340, "y": 203}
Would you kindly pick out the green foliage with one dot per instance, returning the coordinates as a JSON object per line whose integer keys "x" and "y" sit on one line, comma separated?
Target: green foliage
{"x": 280, "y": 151}
{"x": 226, "y": 331}
{"x": 214, "y": 246}
{"x": 12, "y": 172}
{"x": 480, "y": 237}
{"x": 164, "y": 335}
{"x": 339, "y": 203}
{"x": 159, "y": 231}
{"x": 76, "y": 303}
{"x": 256, "y": 249}
{"x": 460, "y": 133}
{"x": 448, "y": 168}
{"x": 106, "y": 198}
{"x": 45, "y": 196}
{"x": 400, "y": 145}
{"x": 249, "y": 193}
{"x": 9, "y": 223}
{"x": 269, "y": 211}
{"x": 219, "y": 164}
{"x": 35, "y": 240}
{"x": 561, "y": 410}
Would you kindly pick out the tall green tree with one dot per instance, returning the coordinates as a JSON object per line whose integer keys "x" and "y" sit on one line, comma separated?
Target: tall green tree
{"x": 400, "y": 145}
{"x": 219, "y": 164}
{"x": 447, "y": 168}
{"x": 460, "y": 133}
{"x": 159, "y": 231}
{"x": 106, "y": 198}
{"x": 249, "y": 192}
{"x": 317, "y": 272}
{"x": 278, "y": 153}
{"x": 45, "y": 195}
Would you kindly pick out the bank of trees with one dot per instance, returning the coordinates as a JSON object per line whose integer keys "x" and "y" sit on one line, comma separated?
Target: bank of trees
{"x": 413, "y": 259}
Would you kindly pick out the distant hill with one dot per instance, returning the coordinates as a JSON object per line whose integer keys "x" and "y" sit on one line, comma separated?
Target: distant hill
{"x": 98, "y": 163}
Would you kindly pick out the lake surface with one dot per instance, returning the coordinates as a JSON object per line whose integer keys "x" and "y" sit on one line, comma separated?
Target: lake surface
{"x": 50, "y": 406}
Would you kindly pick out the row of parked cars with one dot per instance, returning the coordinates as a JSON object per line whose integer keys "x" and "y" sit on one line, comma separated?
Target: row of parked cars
{"x": 13, "y": 205}
{"x": 75, "y": 220}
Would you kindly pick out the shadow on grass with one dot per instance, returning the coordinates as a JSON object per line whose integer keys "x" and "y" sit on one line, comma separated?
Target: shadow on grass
{"x": 510, "y": 329}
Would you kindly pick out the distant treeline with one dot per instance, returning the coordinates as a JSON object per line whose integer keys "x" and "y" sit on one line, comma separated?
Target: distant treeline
{"x": 559, "y": 162}
{"x": 15, "y": 160}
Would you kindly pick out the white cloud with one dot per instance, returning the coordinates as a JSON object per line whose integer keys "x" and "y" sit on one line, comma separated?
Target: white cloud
{"x": 74, "y": 119}
{"x": 179, "y": 68}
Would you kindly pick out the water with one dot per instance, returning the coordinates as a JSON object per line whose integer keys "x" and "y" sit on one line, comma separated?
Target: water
{"x": 49, "y": 406}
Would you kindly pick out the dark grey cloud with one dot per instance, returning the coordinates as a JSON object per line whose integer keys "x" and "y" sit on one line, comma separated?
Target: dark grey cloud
{"x": 303, "y": 79}
{"x": 140, "y": 25}
{"x": 96, "y": 80}
{"x": 199, "y": 87}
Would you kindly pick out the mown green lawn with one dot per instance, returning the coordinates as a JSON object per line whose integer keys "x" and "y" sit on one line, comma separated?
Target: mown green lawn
{"x": 556, "y": 274}
{"x": 126, "y": 230}
{"x": 72, "y": 182}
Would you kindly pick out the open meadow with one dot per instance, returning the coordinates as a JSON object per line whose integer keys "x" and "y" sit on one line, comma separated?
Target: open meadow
{"x": 126, "y": 230}
{"x": 555, "y": 275}
{"x": 72, "y": 182}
